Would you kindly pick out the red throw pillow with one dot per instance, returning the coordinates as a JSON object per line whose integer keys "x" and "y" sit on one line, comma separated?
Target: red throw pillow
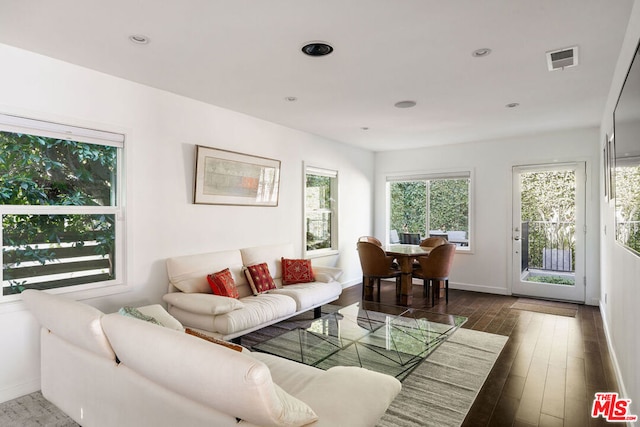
{"x": 259, "y": 278}
{"x": 296, "y": 271}
{"x": 222, "y": 284}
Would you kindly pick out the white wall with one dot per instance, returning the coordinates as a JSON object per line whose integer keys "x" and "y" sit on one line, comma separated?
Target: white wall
{"x": 162, "y": 130}
{"x": 620, "y": 291}
{"x": 487, "y": 269}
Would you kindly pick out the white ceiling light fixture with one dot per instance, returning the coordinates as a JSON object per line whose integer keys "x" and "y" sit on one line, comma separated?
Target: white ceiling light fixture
{"x": 290, "y": 98}
{"x": 481, "y": 53}
{"x": 139, "y": 39}
{"x": 405, "y": 104}
{"x": 562, "y": 58}
{"x": 512, "y": 105}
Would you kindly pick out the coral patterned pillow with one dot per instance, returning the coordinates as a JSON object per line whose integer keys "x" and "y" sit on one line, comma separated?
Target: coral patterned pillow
{"x": 222, "y": 284}
{"x": 296, "y": 271}
{"x": 259, "y": 278}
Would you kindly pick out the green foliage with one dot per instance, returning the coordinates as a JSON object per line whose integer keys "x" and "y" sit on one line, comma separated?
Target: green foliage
{"x": 41, "y": 171}
{"x": 548, "y": 201}
{"x": 628, "y": 206}
{"x": 409, "y": 206}
{"x": 448, "y": 205}
{"x": 319, "y": 211}
{"x": 36, "y": 170}
{"x": 556, "y": 280}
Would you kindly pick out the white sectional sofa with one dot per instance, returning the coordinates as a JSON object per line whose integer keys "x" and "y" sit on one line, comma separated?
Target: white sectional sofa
{"x": 112, "y": 370}
{"x": 191, "y": 301}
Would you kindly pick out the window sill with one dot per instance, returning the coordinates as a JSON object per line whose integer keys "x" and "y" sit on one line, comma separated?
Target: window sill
{"x": 321, "y": 253}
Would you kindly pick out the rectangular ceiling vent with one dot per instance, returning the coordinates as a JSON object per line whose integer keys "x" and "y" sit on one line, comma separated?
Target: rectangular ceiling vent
{"x": 563, "y": 58}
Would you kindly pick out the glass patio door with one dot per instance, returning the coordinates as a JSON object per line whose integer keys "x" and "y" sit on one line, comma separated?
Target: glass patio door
{"x": 548, "y": 231}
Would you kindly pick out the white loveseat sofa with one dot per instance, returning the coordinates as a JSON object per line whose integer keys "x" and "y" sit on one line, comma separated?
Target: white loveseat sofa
{"x": 191, "y": 301}
{"x": 112, "y": 370}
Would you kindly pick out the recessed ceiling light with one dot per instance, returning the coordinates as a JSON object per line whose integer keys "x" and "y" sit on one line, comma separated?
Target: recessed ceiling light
{"x": 290, "y": 98}
{"x": 364, "y": 128}
{"x": 405, "y": 104}
{"x": 139, "y": 39}
{"x": 317, "y": 49}
{"x": 512, "y": 105}
{"x": 479, "y": 53}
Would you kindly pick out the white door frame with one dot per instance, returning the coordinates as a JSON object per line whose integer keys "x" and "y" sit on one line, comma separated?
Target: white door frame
{"x": 574, "y": 293}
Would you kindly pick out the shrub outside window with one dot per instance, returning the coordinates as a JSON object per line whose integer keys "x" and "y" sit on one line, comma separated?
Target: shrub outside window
{"x": 431, "y": 205}
{"x": 320, "y": 211}
{"x": 59, "y": 203}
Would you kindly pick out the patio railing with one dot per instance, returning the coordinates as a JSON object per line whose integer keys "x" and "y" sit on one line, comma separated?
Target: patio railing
{"x": 548, "y": 245}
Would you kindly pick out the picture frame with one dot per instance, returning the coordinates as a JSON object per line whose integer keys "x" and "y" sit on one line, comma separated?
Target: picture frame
{"x": 611, "y": 148}
{"x": 225, "y": 177}
{"x": 605, "y": 174}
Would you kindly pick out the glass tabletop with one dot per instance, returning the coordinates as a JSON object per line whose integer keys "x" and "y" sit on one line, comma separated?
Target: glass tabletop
{"x": 393, "y": 342}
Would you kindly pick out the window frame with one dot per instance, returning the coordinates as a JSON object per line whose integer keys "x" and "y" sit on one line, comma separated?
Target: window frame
{"x": 468, "y": 173}
{"x": 334, "y": 174}
{"x": 43, "y": 128}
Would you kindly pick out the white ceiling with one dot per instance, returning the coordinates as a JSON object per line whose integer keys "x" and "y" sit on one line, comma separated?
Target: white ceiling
{"x": 245, "y": 55}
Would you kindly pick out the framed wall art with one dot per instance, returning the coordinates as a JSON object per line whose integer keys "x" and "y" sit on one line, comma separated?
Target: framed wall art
{"x": 229, "y": 178}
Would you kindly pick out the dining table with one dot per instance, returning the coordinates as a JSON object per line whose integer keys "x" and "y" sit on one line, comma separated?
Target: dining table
{"x": 404, "y": 255}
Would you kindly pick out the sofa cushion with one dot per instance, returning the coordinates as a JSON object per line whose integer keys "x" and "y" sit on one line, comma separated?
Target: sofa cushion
{"x": 203, "y": 303}
{"x": 271, "y": 254}
{"x": 215, "y": 376}
{"x": 307, "y": 295}
{"x": 258, "y": 310}
{"x": 296, "y": 271}
{"x": 349, "y": 396}
{"x": 189, "y": 273}
{"x": 222, "y": 284}
{"x": 259, "y": 278}
{"x": 73, "y": 321}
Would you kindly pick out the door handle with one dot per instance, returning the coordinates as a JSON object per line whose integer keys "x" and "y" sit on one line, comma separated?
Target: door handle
{"x": 516, "y": 238}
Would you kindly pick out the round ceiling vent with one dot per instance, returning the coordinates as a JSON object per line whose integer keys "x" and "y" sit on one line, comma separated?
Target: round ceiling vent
{"x": 317, "y": 49}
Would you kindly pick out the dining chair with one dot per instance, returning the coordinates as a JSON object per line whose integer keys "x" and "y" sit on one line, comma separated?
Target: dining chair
{"x": 429, "y": 242}
{"x": 434, "y": 269}
{"x": 432, "y": 242}
{"x": 376, "y": 265}
{"x": 370, "y": 239}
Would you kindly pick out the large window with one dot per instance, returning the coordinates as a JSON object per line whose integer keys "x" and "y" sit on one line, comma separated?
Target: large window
{"x": 320, "y": 211}
{"x": 430, "y": 205}
{"x": 59, "y": 203}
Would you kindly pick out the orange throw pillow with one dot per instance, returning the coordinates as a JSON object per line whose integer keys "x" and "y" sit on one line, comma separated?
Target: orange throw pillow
{"x": 222, "y": 284}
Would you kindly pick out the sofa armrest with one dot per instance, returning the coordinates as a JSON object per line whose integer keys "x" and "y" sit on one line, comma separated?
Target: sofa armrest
{"x": 203, "y": 303}
{"x": 326, "y": 274}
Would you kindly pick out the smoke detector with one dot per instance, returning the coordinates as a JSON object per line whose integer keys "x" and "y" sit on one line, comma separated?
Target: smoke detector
{"x": 563, "y": 58}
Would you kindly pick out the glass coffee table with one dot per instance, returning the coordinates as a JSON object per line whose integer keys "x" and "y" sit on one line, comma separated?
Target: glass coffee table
{"x": 393, "y": 342}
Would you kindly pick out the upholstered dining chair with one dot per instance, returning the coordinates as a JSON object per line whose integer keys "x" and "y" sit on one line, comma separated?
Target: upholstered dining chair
{"x": 376, "y": 265}
{"x": 429, "y": 242}
{"x": 434, "y": 269}
{"x": 432, "y": 242}
{"x": 370, "y": 239}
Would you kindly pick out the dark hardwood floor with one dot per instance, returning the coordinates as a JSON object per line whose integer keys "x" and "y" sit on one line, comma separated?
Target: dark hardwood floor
{"x": 549, "y": 369}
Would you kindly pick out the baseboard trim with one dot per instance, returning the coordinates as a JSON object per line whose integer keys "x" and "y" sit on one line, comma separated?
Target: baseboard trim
{"x": 13, "y": 392}
{"x": 478, "y": 288}
{"x": 614, "y": 358}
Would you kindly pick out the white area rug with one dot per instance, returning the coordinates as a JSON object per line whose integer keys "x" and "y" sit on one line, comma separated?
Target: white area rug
{"x": 442, "y": 389}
